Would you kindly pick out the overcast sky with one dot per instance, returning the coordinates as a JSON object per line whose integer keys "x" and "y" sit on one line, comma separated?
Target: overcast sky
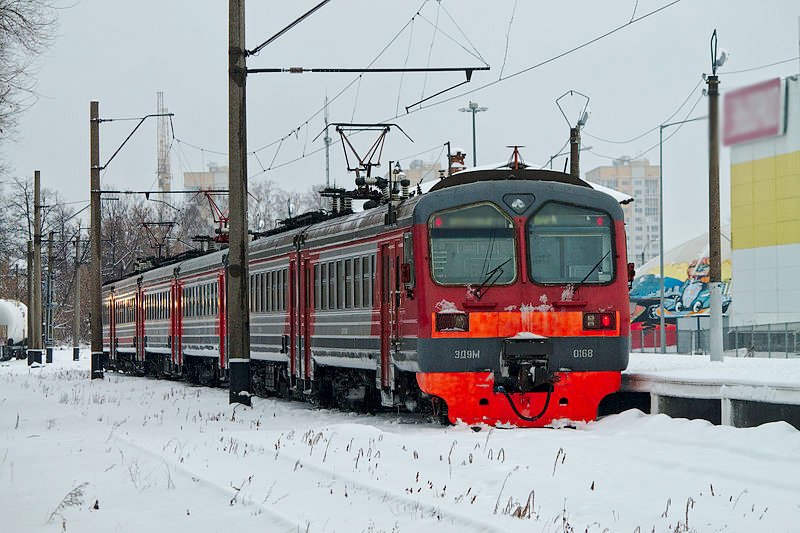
{"x": 122, "y": 53}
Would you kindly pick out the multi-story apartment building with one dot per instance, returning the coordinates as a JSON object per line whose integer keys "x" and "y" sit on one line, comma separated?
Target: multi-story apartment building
{"x": 640, "y": 179}
{"x": 215, "y": 178}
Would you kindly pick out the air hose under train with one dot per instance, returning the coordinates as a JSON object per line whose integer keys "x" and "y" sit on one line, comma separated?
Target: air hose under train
{"x": 502, "y": 390}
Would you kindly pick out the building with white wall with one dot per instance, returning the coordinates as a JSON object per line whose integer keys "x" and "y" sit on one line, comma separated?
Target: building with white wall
{"x": 762, "y": 127}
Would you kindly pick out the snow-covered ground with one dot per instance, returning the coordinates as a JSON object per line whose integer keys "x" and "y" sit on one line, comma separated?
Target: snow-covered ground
{"x": 164, "y": 456}
{"x": 774, "y": 372}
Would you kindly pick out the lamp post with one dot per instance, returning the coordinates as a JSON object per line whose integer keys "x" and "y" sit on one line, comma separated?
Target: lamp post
{"x": 662, "y": 322}
{"x": 473, "y": 108}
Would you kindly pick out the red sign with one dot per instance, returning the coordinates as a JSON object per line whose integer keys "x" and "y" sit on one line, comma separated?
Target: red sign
{"x": 753, "y": 112}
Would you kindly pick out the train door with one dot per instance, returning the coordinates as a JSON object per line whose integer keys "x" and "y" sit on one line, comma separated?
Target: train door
{"x": 307, "y": 299}
{"x": 112, "y": 327}
{"x": 295, "y": 342}
{"x": 388, "y": 274}
{"x": 176, "y": 323}
{"x": 138, "y": 316}
{"x": 222, "y": 318}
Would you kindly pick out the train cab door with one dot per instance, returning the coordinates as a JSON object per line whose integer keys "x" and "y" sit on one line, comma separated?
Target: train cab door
{"x": 389, "y": 299}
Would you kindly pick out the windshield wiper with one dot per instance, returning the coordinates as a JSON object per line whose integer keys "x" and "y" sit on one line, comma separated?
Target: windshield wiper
{"x": 491, "y": 278}
{"x": 591, "y": 271}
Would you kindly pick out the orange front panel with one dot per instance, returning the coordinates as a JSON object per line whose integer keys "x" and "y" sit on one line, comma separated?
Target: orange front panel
{"x": 509, "y": 323}
{"x": 471, "y": 398}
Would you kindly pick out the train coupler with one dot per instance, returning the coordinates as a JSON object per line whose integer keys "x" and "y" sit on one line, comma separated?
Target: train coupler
{"x": 524, "y": 364}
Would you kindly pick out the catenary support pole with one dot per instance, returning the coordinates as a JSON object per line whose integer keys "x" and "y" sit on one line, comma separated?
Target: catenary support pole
{"x": 29, "y": 301}
{"x": 76, "y": 314}
{"x": 714, "y": 256}
{"x": 95, "y": 265}
{"x": 35, "y": 337}
{"x": 238, "y": 272}
{"x": 575, "y": 152}
{"x": 48, "y": 312}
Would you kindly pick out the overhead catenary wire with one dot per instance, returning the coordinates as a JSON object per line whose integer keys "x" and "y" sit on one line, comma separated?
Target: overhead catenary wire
{"x": 508, "y": 38}
{"x": 430, "y": 50}
{"x": 651, "y": 130}
{"x": 656, "y": 145}
{"x": 461, "y": 95}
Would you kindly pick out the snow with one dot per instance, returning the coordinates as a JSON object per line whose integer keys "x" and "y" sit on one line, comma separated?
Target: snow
{"x": 166, "y": 456}
{"x": 733, "y": 371}
{"x": 444, "y": 307}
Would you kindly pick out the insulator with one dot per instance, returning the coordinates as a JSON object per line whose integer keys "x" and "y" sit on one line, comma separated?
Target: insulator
{"x": 404, "y": 184}
{"x": 348, "y": 203}
{"x": 334, "y": 204}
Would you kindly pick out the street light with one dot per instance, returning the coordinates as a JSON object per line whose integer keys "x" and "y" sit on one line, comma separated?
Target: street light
{"x": 473, "y": 108}
{"x": 662, "y": 322}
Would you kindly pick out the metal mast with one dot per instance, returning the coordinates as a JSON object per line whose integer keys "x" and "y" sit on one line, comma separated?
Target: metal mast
{"x": 164, "y": 173}
{"x": 327, "y": 140}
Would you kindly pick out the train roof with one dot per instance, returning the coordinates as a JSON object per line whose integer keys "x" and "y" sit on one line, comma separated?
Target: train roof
{"x": 458, "y": 189}
{"x": 505, "y": 171}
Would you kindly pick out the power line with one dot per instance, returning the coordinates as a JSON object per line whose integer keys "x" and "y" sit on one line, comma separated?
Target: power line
{"x": 762, "y": 66}
{"x": 549, "y": 60}
{"x": 686, "y": 119}
{"x": 449, "y": 99}
{"x": 684, "y": 103}
{"x": 652, "y": 129}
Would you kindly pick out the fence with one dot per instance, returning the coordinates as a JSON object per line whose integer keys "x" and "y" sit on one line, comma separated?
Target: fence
{"x": 769, "y": 340}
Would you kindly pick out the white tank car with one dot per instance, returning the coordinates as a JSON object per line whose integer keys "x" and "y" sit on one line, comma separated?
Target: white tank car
{"x": 13, "y": 321}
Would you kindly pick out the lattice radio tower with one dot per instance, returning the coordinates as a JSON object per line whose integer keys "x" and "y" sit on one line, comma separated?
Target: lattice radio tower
{"x": 164, "y": 173}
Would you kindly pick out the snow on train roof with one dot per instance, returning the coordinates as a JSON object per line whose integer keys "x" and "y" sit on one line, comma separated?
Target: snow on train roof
{"x": 620, "y": 197}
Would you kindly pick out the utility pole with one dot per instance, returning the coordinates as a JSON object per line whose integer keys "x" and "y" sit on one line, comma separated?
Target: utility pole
{"x": 31, "y": 327}
{"x": 95, "y": 270}
{"x": 238, "y": 271}
{"x": 48, "y": 313}
{"x": 76, "y": 314}
{"x": 575, "y": 152}
{"x": 35, "y": 336}
{"x": 574, "y": 133}
{"x": 714, "y": 256}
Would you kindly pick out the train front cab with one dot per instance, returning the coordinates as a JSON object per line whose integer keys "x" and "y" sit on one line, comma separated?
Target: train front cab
{"x": 525, "y": 320}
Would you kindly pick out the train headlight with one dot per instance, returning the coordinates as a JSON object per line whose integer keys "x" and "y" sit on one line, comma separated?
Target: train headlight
{"x": 452, "y": 322}
{"x": 599, "y": 320}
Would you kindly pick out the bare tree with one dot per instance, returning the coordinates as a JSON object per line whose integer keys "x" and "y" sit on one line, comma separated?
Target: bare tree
{"x": 27, "y": 29}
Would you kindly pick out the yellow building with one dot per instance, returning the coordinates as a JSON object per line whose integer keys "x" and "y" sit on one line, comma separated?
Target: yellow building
{"x": 762, "y": 127}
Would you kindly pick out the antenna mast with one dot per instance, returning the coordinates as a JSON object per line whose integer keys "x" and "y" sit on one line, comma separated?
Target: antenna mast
{"x": 327, "y": 140}
{"x": 163, "y": 172}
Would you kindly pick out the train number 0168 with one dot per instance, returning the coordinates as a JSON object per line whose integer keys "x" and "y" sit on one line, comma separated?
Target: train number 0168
{"x": 583, "y": 352}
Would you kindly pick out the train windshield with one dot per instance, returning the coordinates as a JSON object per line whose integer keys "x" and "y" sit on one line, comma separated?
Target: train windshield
{"x": 570, "y": 244}
{"x": 472, "y": 244}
